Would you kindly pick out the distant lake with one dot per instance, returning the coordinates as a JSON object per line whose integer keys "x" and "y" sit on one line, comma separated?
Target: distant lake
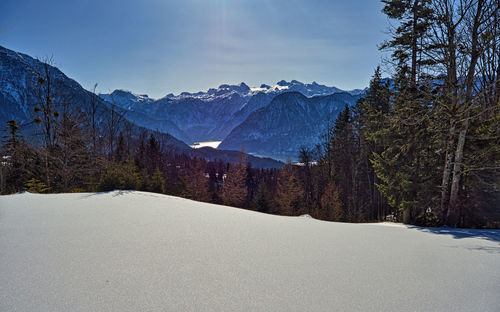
{"x": 213, "y": 144}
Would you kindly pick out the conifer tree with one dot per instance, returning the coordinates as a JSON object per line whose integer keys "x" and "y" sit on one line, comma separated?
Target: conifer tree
{"x": 263, "y": 200}
{"x": 71, "y": 158}
{"x": 289, "y": 191}
{"x": 18, "y": 162}
{"x": 331, "y": 204}
{"x": 156, "y": 183}
{"x": 371, "y": 119}
{"x": 234, "y": 189}
{"x": 196, "y": 181}
{"x": 408, "y": 43}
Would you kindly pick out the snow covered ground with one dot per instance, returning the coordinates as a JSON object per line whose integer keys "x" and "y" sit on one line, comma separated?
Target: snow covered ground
{"x": 136, "y": 251}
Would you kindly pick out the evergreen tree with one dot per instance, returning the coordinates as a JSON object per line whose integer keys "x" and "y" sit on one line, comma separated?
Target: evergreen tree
{"x": 407, "y": 167}
{"x": 18, "y": 162}
{"x": 120, "y": 177}
{"x": 409, "y": 44}
{"x": 71, "y": 157}
{"x": 306, "y": 180}
{"x": 331, "y": 204}
{"x": 371, "y": 123}
{"x": 263, "y": 200}
{"x": 156, "y": 183}
{"x": 234, "y": 189}
{"x": 196, "y": 181}
{"x": 345, "y": 148}
{"x": 288, "y": 192}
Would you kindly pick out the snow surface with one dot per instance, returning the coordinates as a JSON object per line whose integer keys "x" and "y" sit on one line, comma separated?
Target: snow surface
{"x": 137, "y": 251}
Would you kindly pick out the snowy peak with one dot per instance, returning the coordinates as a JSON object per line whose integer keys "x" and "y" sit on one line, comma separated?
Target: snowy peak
{"x": 126, "y": 99}
{"x": 241, "y": 88}
{"x": 227, "y": 91}
{"x": 308, "y": 89}
{"x": 127, "y": 94}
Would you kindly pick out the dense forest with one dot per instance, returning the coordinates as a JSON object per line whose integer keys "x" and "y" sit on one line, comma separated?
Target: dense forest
{"x": 422, "y": 147}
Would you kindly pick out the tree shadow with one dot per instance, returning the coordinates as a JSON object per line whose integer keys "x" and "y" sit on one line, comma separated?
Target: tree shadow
{"x": 113, "y": 193}
{"x": 491, "y": 235}
{"x": 121, "y": 192}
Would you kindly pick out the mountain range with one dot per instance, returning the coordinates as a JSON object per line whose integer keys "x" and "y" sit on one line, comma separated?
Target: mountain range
{"x": 210, "y": 115}
{"x": 19, "y": 87}
{"x": 272, "y": 121}
{"x": 289, "y": 122}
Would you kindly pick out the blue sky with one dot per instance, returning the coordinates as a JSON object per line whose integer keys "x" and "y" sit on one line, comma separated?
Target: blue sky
{"x": 161, "y": 46}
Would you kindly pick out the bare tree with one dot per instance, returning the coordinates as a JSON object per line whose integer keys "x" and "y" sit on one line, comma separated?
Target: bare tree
{"x": 47, "y": 110}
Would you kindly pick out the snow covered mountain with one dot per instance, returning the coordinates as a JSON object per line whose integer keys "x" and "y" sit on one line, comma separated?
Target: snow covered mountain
{"x": 19, "y": 75}
{"x": 289, "y": 122}
{"x": 238, "y": 115}
{"x": 210, "y": 115}
{"x": 19, "y": 86}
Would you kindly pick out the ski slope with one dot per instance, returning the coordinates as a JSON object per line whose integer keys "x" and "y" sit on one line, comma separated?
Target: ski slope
{"x": 137, "y": 251}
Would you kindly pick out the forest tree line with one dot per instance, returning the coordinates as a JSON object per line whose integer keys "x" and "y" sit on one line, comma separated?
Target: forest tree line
{"x": 422, "y": 146}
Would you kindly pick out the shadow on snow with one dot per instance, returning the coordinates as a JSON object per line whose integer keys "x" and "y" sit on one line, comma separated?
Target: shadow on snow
{"x": 491, "y": 235}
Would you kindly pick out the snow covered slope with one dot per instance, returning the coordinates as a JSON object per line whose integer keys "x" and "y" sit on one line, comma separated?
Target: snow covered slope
{"x": 135, "y": 251}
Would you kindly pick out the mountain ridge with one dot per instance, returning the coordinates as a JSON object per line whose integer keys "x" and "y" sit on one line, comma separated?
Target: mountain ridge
{"x": 19, "y": 74}
{"x": 211, "y": 115}
{"x": 289, "y": 122}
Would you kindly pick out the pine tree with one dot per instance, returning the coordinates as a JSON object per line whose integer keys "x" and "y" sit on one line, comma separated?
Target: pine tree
{"x": 409, "y": 38}
{"x": 289, "y": 191}
{"x": 18, "y": 162}
{"x": 71, "y": 158}
{"x": 262, "y": 201}
{"x": 407, "y": 166}
{"x": 196, "y": 181}
{"x": 345, "y": 150}
{"x": 331, "y": 204}
{"x": 371, "y": 122}
{"x": 306, "y": 180}
{"x": 156, "y": 183}
{"x": 234, "y": 189}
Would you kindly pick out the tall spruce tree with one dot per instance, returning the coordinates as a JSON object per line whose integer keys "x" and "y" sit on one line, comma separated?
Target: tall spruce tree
{"x": 371, "y": 118}
{"x": 408, "y": 41}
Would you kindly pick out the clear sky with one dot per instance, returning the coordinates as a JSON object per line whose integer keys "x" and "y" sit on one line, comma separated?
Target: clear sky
{"x": 162, "y": 46}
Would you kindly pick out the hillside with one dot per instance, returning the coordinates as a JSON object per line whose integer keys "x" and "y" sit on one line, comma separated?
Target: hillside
{"x": 289, "y": 122}
{"x": 19, "y": 95}
{"x": 136, "y": 251}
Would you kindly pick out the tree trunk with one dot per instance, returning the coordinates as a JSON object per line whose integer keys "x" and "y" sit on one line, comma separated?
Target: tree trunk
{"x": 445, "y": 184}
{"x": 451, "y": 216}
{"x": 414, "y": 42}
{"x": 469, "y": 86}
